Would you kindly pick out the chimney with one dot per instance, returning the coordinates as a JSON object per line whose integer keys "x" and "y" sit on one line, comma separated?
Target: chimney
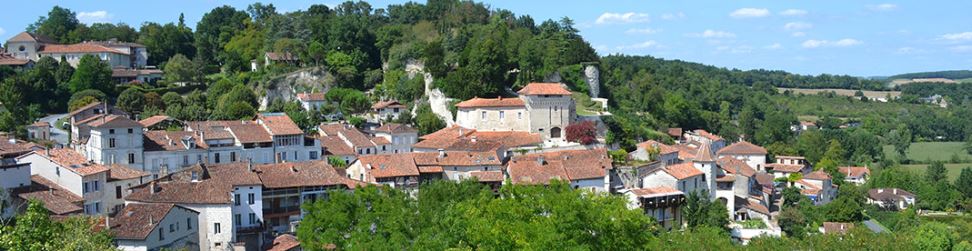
{"x": 276, "y": 158}
{"x": 460, "y": 131}
{"x": 473, "y": 139}
{"x": 293, "y": 168}
{"x": 540, "y": 160}
{"x": 153, "y": 187}
{"x": 50, "y": 190}
{"x": 442, "y": 153}
{"x": 894, "y": 191}
{"x": 151, "y": 220}
{"x": 370, "y": 167}
{"x": 249, "y": 164}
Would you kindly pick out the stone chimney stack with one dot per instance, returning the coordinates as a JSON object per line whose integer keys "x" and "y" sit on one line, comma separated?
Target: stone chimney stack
{"x": 540, "y": 160}
{"x": 442, "y": 153}
{"x": 153, "y": 187}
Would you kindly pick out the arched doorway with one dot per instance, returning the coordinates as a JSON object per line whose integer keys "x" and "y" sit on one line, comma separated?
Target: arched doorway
{"x": 555, "y": 133}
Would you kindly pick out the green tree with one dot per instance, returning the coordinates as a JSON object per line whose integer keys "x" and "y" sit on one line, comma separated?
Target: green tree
{"x": 131, "y": 100}
{"x": 964, "y": 182}
{"x": 936, "y": 172}
{"x": 57, "y": 25}
{"x": 933, "y": 236}
{"x": 215, "y": 29}
{"x": 85, "y": 97}
{"x": 91, "y": 73}
{"x": 181, "y": 69}
{"x": 426, "y": 121}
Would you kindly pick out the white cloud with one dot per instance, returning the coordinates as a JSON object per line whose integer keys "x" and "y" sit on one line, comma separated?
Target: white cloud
{"x": 645, "y": 31}
{"x": 629, "y": 17}
{"x": 643, "y": 45}
{"x": 812, "y": 43}
{"x": 958, "y": 36}
{"x": 94, "y": 17}
{"x": 961, "y": 48}
{"x": 749, "y": 13}
{"x": 793, "y": 13}
{"x": 791, "y": 26}
{"x": 798, "y": 34}
{"x": 883, "y": 7}
{"x": 673, "y": 16}
{"x": 714, "y": 34}
{"x": 774, "y": 46}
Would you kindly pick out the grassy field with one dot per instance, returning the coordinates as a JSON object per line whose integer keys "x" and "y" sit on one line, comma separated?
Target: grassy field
{"x": 843, "y": 92}
{"x": 940, "y": 151}
{"x": 953, "y": 169}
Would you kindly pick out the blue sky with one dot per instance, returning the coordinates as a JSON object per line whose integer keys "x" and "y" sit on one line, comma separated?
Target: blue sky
{"x": 862, "y": 38}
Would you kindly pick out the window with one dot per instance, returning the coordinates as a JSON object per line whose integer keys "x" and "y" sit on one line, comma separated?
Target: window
{"x": 253, "y": 219}
{"x": 237, "y": 219}
{"x": 236, "y": 199}
{"x": 111, "y": 131}
{"x": 250, "y": 198}
{"x": 556, "y": 107}
{"x": 368, "y": 151}
{"x": 185, "y": 160}
{"x": 111, "y": 142}
{"x": 130, "y": 131}
{"x": 57, "y": 170}
{"x": 118, "y": 192}
{"x": 519, "y": 115}
{"x": 484, "y": 115}
{"x": 313, "y": 155}
{"x": 216, "y": 229}
{"x": 502, "y": 114}
{"x": 383, "y": 148}
{"x": 189, "y": 223}
{"x": 131, "y": 158}
{"x": 232, "y": 156}
{"x": 161, "y": 234}
{"x": 96, "y": 187}
{"x": 171, "y": 228}
{"x": 216, "y": 157}
{"x": 194, "y": 175}
{"x": 85, "y": 187}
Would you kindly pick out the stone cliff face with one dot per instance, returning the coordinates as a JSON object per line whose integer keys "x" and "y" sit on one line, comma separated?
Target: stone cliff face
{"x": 285, "y": 87}
{"x": 593, "y": 77}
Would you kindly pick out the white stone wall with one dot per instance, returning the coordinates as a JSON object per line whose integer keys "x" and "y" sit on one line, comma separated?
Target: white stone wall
{"x": 111, "y": 200}
{"x": 125, "y": 143}
{"x": 458, "y": 173}
{"x": 172, "y": 160}
{"x": 44, "y": 167}
{"x": 709, "y": 169}
{"x": 513, "y": 118}
{"x": 550, "y": 112}
{"x": 400, "y": 143}
{"x": 595, "y": 185}
{"x": 16, "y": 176}
{"x": 245, "y": 208}
{"x": 209, "y": 215}
{"x": 757, "y": 162}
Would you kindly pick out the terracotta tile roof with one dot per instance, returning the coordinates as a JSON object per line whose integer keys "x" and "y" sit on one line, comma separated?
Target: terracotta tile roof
{"x": 884, "y": 194}
{"x": 708, "y": 135}
{"x": 457, "y": 158}
{"x": 459, "y": 144}
{"x": 687, "y": 151}
{"x": 387, "y": 104}
{"x": 779, "y": 157}
{"x": 78, "y": 48}
{"x": 675, "y": 132}
{"x": 250, "y": 133}
{"x": 817, "y": 175}
{"x": 510, "y": 139}
{"x": 450, "y": 139}
{"x": 430, "y": 169}
{"x": 279, "y": 124}
{"x": 335, "y": 146}
{"x": 115, "y": 43}
{"x": 726, "y": 178}
{"x": 299, "y": 174}
{"x": 544, "y": 89}
{"x": 17, "y": 148}
{"x": 389, "y": 165}
{"x": 284, "y": 242}
{"x": 449, "y": 132}
{"x": 31, "y": 37}
{"x": 169, "y": 141}
{"x": 487, "y": 176}
{"x": 662, "y": 147}
{"x": 212, "y": 129}
{"x": 704, "y": 154}
{"x": 784, "y": 168}
{"x": 655, "y": 191}
{"x": 395, "y": 128}
{"x": 70, "y": 160}
{"x": 123, "y": 172}
{"x": 215, "y": 189}
{"x": 151, "y": 121}
{"x": 89, "y": 119}
{"x": 682, "y": 171}
{"x": 114, "y": 121}
{"x": 764, "y": 179}
{"x": 56, "y": 199}
{"x": 41, "y": 124}
{"x": 735, "y": 166}
{"x": 568, "y": 165}
{"x": 742, "y": 148}
{"x": 84, "y": 108}
{"x": 855, "y": 171}
{"x": 353, "y": 135}
{"x": 837, "y": 227}
{"x": 380, "y": 141}
{"x": 136, "y": 221}
{"x": 7, "y": 59}
{"x": 491, "y": 102}
{"x": 752, "y": 205}
{"x": 311, "y": 97}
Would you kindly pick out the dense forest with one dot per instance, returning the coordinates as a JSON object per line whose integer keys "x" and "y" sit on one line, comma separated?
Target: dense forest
{"x": 957, "y": 74}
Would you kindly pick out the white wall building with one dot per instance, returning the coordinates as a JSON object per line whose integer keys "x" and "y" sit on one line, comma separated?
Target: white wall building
{"x": 543, "y": 108}
{"x": 155, "y": 226}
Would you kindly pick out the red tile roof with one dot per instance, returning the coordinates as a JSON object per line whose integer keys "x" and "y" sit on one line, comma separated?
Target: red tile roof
{"x": 279, "y": 124}
{"x": 310, "y": 97}
{"x": 544, "y": 89}
{"x": 491, "y": 102}
{"x": 215, "y": 189}
{"x": 457, "y": 158}
{"x": 335, "y": 146}
{"x": 151, "y": 121}
{"x": 662, "y": 147}
{"x": 56, "y": 199}
{"x": 655, "y": 191}
{"x": 284, "y": 242}
{"x": 777, "y": 167}
{"x": 78, "y": 48}
{"x": 17, "y": 148}
{"x": 450, "y": 139}
{"x": 353, "y": 135}
{"x": 817, "y": 175}
{"x": 682, "y": 171}
{"x": 123, "y": 172}
{"x": 567, "y": 165}
{"x": 735, "y": 166}
{"x": 675, "y": 132}
{"x": 300, "y": 174}
{"x": 742, "y": 148}
{"x": 393, "y": 128}
{"x": 855, "y": 171}
{"x": 704, "y": 154}
{"x": 136, "y": 221}
{"x": 114, "y": 121}
{"x": 169, "y": 141}
{"x": 72, "y": 161}
{"x": 708, "y": 135}
{"x": 487, "y": 176}
{"x": 687, "y": 151}
{"x": 31, "y": 37}
{"x": 752, "y": 205}
{"x": 389, "y": 165}
{"x": 7, "y": 59}
{"x": 250, "y": 132}
{"x": 430, "y": 169}
{"x": 387, "y": 104}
